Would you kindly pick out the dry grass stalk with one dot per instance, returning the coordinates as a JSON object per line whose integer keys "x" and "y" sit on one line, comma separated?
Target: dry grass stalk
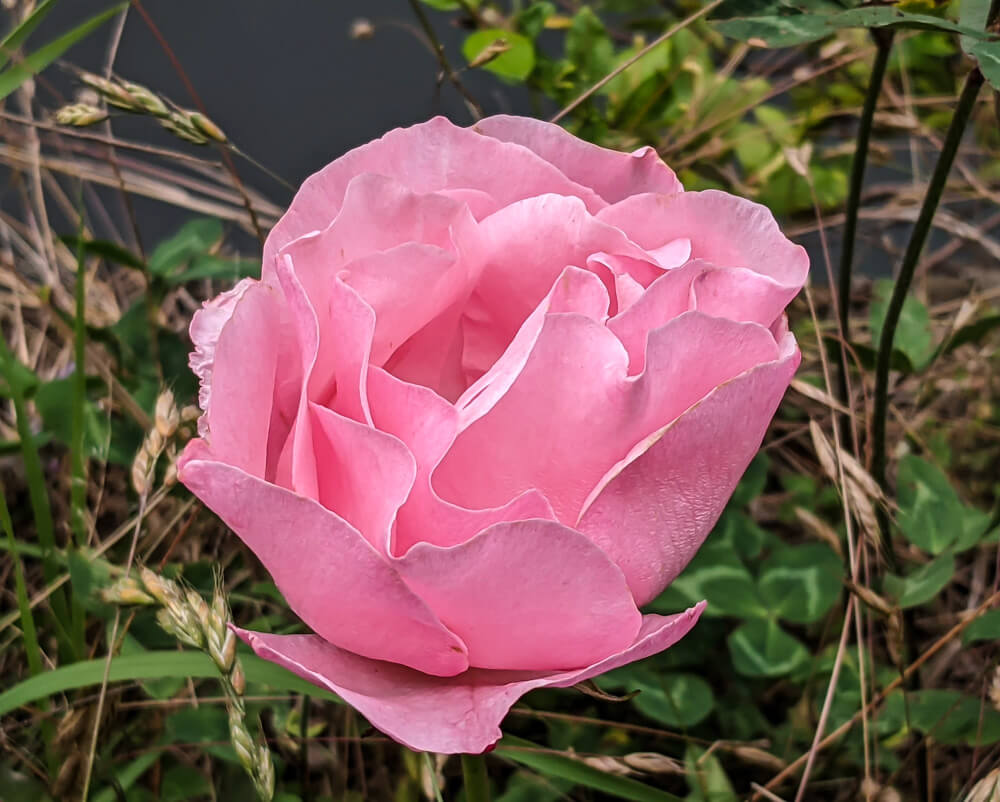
{"x": 188, "y": 617}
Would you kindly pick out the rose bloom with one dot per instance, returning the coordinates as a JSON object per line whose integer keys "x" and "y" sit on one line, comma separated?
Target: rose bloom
{"x": 492, "y": 391}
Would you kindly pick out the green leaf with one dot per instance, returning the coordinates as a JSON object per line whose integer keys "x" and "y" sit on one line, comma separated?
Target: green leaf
{"x": 972, "y": 333}
{"x": 914, "y": 336}
{"x": 986, "y": 627}
{"x": 515, "y": 63}
{"x": 931, "y": 515}
{"x": 923, "y": 584}
{"x": 443, "y": 5}
{"x": 555, "y": 765}
{"x": 717, "y": 575}
{"x": 13, "y": 40}
{"x": 126, "y": 776}
{"x": 18, "y": 787}
{"x": 987, "y": 54}
{"x": 194, "y": 238}
{"x": 149, "y": 665}
{"x": 953, "y": 718}
{"x": 761, "y": 648}
{"x": 784, "y": 30}
{"x": 677, "y": 701}
{"x": 588, "y": 47}
{"x": 801, "y": 583}
{"x": 13, "y": 77}
{"x": 183, "y": 783}
{"x": 54, "y": 401}
{"x": 706, "y": 777}
{"x": 110, "y": 251}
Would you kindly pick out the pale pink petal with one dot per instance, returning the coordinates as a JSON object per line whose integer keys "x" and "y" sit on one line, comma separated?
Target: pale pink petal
{"x": 723, "y": 229}
{"x": 612, "y": 174}
{"x": 363, "y": 475}
{"x": 242, "y": 378}
{"x": 524, "y": 249}
{"x": 571, "y": 411}
{"x": 427, "y": 424}
{"x": 425, "y": 158}
{"x": 741, "y": 295}
{"x": 526, "y": 595}
{"x": 332, "y": 578}
{"x": 653, "y": 510}
{"x": 448, "y": 716}
{"x": 206, "y": 326}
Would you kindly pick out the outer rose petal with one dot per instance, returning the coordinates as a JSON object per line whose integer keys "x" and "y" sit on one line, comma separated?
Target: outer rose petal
{"x": 725, "y": 230}
{"x": 653, "y": 510}
{"x": 333, "y": 579}
{"x": 526, "y": 595}
{"x": 435, "y": 156}
{"x": 449, "y": 716}
{"x": 610, "y": 173}
{"x": 206, "y": 326}
{"x": 241, "y": 389}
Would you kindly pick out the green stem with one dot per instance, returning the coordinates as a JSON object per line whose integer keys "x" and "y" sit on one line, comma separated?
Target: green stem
{"x": 477, "y": 781}
{"x": 883, "y": 43}
{"x": 963, "y": 111}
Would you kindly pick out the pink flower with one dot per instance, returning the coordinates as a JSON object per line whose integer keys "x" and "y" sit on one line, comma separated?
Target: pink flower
{"x": 490, "y": 395}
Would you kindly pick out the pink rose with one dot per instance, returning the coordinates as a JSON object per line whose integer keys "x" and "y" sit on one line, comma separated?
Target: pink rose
{"x": 491, "y": 393}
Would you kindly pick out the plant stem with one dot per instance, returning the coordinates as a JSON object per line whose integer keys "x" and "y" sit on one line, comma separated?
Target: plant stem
{"x": 963, "y": 111}
{"x": 883, "y": 42}
{"x": 477, "y": 781}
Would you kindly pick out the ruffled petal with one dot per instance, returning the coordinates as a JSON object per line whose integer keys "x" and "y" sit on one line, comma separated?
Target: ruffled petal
{"x": 526, "y": 595}
{"x": 723, "y": 229}
{"x": 651, "y": 512}
{"x": 435, "y": 156}
{"x": 449, "y": 716}
{"x": 427, "y": 424}
{"x": 610, "y": 173}
{"x": 239, "y": 380}
{"x": 332, "y": 578}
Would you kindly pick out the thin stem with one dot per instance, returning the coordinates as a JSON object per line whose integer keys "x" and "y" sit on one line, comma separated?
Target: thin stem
{"x": 883, "y": 42}
{"x": 477, "y": 781}
{"x": 918, "y": 237}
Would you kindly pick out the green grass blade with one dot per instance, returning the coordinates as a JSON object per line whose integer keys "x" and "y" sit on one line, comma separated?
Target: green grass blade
{"x": 37, "y": 492}
{"x": 128, "y": 775}
{"x": 517, "y": 749}
{"x": 12, "y": 78}
{"x": 78, "y": 459}
{"x": 16, "y": 37}
{"x": 149, "y": 665}
{"x": 28, "y": 630}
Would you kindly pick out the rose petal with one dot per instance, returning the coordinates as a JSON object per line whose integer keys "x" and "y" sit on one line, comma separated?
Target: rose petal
{"x": 527, "y": 595}
{"x": 610, "y": 173}
{"x": 723, "y": 229}
{"x": 652, "y": 511}
{"x": 430, "y": 157}
{"x": 570, "y": 411}
{"x": 332, "y": 578}
{"x": 242, "y": 388}
{"x": 449, "y": 716}
{"x": 524, "y": 248}
{"x": 427, "y": 424}
{"x": 364, "y": 475}
{"x": 206, "y": 326}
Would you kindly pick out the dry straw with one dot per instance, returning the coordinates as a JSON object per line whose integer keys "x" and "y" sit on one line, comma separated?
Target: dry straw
{"x": 193, "y": 621}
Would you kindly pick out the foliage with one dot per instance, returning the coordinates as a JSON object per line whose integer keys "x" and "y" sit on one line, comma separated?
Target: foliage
{"x": 742, "y": 697}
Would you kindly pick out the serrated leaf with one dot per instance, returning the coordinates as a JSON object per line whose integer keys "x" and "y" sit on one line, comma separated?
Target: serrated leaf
{"x": 514, "y": 63}
{"x": 923, "y": 584}
{"x": 761, "y": 648}
{"x": 801, "y": 583}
